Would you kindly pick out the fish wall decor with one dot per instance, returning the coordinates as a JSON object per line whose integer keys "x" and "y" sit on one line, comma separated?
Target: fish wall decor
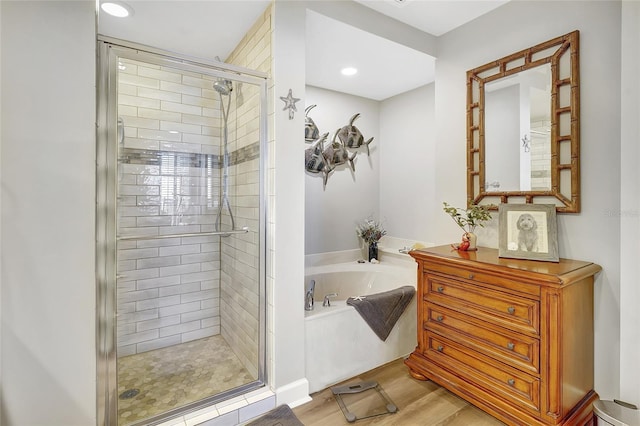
{"x": 351, "y": 137}
{"x": 337, "y": 153}
{"x": 311, "y": 131}
{"x": 315, "y": 161}
{"x": 322, "y": 158}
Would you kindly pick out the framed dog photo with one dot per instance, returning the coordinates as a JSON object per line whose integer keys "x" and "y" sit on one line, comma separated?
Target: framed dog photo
{"x": 528, "y": 231}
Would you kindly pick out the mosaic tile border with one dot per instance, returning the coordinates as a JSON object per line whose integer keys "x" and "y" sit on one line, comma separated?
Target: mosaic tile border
{"x": 188, "y": 159}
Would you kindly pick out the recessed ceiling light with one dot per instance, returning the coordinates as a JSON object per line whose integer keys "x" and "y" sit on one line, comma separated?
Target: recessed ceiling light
{"x": 349, "y": 71}
{"x": 117, "y": 8}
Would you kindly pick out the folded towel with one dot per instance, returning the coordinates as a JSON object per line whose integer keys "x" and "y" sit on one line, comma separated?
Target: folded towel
{"x": 382, "y": 310}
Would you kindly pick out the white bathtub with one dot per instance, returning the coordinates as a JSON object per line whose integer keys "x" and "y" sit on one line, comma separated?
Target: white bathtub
{"x": 338, "y": 342}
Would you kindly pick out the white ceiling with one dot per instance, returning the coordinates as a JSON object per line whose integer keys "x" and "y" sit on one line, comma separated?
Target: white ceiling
{"x": 435, "y": 17}
{"x": 200, "y": 28}
{"x": 385, "y": 68}
{"x": 210, "y": 28}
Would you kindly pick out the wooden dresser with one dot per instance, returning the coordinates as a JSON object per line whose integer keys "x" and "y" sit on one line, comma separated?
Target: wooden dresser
{"x": 513, "y": 337}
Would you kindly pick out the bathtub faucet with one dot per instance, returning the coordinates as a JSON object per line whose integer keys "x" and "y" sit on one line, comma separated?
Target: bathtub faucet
{"x": 326, "y": 302}
{"x": 308, "y": 302}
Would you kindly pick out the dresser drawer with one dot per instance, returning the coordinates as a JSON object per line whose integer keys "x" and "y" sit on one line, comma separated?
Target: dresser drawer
{"x": 519, "y": 350}
{"x": 498, "y": 281}
{"x": 495, "y": 307}
{"x": 504, "y": 382}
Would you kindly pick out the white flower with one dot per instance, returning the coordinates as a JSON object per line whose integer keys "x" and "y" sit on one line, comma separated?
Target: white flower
{"x": 370, "y": 231}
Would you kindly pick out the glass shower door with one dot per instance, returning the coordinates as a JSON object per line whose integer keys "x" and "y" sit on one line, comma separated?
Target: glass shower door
{"x": 188, "y": 221}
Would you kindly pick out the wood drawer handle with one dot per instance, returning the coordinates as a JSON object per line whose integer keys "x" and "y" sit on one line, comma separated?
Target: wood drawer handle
{"x": 440, "y": 348}
{"x": 511, "y": 382}
{"x": 511, "y": 346}
{"x": 511, "y": 310}
{"x": 440, "y": 289}
{"x": 439, "y": 318}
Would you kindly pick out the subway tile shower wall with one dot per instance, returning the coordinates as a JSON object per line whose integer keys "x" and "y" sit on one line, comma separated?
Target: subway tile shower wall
{"x": 240, "y": 287}
{"x": 174, "y": 290}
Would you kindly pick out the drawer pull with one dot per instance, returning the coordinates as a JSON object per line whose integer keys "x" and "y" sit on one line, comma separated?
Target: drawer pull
{"x": 440, "y": 289}
{"x": 510, "y": 346}
{"x": 471, "y": 276}
{"x": 511, "y": 382}
{"x": 440, "y": 348}
{"x": 439, "y": 318}
{"x": 511, "y": 310}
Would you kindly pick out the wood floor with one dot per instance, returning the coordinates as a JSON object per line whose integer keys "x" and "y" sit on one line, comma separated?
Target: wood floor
{"x": 420, "y": 403}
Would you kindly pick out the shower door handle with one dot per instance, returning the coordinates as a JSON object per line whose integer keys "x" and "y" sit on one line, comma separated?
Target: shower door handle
{"x": 243, "y": 230}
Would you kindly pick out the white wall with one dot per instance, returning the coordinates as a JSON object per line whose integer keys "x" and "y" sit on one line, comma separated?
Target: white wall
{"x": 630, "y": 206}
{"x": 407, "y": 172}
{"x": 286, "y": 218}
{"x": 594, "y": 234}
{"x": 48, "y": 209}
{"x": 332, "y": 213}
{"x": 384, "y": 185}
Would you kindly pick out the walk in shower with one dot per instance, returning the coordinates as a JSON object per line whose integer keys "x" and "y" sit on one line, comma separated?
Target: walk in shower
{"x": 180, "y": 233}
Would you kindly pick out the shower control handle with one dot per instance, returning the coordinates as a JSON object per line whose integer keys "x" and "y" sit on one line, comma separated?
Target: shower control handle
{"x": 326, "y": 302}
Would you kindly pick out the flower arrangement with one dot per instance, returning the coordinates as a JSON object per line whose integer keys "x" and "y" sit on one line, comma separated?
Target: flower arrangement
{"x": 370, "y": 231}
{"x": 469, "y": 219}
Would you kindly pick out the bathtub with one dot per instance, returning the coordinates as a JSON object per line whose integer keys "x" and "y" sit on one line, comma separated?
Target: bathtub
{"x": 339, "y": 344}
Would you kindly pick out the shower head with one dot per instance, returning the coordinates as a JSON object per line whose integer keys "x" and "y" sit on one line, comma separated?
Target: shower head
{"x": 222, "y": 86}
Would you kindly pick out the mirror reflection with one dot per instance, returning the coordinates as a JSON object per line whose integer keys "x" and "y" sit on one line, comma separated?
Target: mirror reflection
{"x": 518, "y": 131}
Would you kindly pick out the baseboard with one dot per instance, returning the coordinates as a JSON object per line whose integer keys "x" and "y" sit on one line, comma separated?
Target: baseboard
{"x": 293, "y": 394}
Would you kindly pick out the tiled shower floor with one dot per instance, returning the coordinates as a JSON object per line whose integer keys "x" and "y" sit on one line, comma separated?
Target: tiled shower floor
{"x": 172, "y": 377}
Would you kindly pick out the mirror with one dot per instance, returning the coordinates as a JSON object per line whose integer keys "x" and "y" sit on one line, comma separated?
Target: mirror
{"x": 523, "y": 127}
{"x": 518, "y": 108}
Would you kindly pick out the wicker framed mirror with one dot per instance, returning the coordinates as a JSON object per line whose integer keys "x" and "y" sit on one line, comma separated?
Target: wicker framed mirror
{"x": 523, "y": 127}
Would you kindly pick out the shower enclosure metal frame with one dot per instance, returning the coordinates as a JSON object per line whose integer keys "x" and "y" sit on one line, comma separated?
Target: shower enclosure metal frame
{"x": 109, "y": 49}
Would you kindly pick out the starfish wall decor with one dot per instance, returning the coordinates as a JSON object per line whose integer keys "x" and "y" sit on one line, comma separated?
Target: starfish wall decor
{"x": 290, "y": 104}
